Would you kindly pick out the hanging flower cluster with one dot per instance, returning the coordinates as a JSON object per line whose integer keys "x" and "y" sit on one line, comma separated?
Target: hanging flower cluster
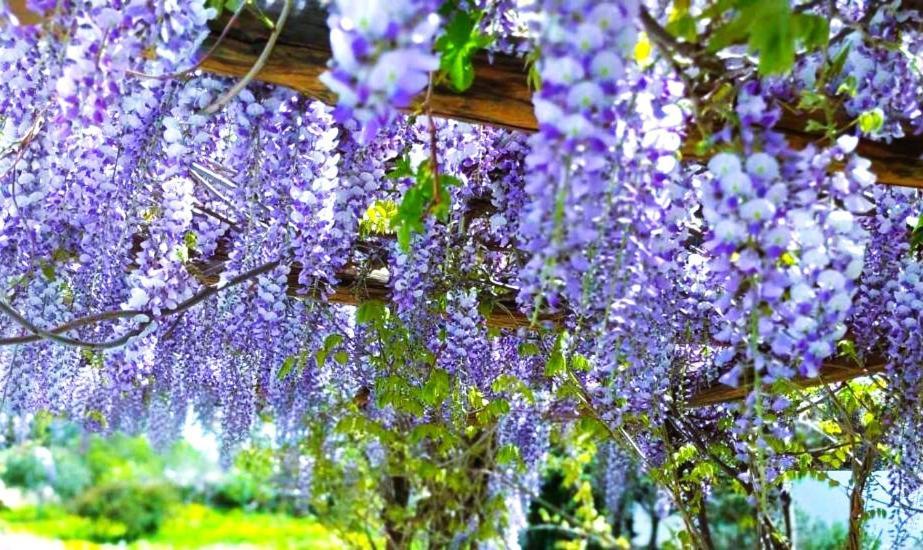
{"x": 786, "y": 255}
{"x": 382, "y": 57}
{"x": 585, "y": 50}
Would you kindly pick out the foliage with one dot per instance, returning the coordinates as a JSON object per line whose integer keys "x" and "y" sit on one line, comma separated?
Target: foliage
{"x": 814, "y": 534}
{"x": 72, "y": 474}
{"x": 391, "y": 319}
{"x": 126, "y": 511}
{"x": 771, "y": 29}
{"x": 189, "y": 526}
{"x": 249, "y": 484}
{"x": 29, "y": 468}
{"x": 122, "y": 458}
{"x": 457, "y": 45}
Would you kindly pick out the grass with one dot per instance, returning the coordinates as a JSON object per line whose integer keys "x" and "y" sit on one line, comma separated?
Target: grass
{"x": 190, "y": 526}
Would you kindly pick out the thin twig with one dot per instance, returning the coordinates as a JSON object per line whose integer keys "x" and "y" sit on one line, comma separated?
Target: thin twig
{"x": 43, "y": 334}
{"x": 54, "y": 334}
{"x": 257, "y": 67}
{"x": 433, "y": 156}
{"x": 209, "y": 212}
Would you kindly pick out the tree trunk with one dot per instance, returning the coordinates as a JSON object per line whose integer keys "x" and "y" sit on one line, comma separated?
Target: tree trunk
{"x": 704, "y": 527}
{"x": 399, "y": 496}
{"x": 861, "y": 473}
{"x": 788, "y": 517}
{"x": 655, "y": 526}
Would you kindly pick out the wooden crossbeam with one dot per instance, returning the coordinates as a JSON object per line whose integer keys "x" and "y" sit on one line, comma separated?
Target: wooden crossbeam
{"x": 354, "y": 287}
{"x": 500, "y": 95}
{"x": 837, "y": 369}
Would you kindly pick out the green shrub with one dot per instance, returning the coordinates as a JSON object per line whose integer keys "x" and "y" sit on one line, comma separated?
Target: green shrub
{"x": 250, "y": 485}
{"x": 29, "y": 468}
{"x": 125, "y": 510}
{"x": 71, "y": 473}
{"x": 123, "y": 459}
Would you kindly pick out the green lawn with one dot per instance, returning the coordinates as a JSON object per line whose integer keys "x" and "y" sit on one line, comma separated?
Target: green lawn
{"x": 190, "y": 526}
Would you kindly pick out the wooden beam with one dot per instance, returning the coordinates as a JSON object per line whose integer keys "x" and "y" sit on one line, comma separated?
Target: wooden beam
{"x": 500, "y": 95}
{"x": 354, "y": 288}
{"x": 22, "y": 13}
{"x": 837, "y": 369}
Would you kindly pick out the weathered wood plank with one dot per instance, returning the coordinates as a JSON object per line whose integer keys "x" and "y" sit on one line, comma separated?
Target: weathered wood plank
{"x": 500, "y": 95}
{"x": 835, "y": 370}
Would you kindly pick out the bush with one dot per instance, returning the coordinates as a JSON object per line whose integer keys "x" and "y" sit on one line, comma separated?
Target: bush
{"x": 250, "y": 485}
{"x": 126, "y": 511}
{"x": 29, "y": 468}
{"x": 71, "y": 473}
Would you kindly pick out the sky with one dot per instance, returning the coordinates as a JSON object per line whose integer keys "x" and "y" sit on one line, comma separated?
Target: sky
{"x": 815, "y": 498}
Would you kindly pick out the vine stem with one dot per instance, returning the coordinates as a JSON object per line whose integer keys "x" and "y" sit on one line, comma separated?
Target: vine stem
{"x": 433, "y": 151}
{"x": 54, "y": 334}
{"x": 257, "y": 66}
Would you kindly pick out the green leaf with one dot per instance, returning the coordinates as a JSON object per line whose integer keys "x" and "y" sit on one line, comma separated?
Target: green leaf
{"x": 286, "y": 367}
{"x": 341, "y": 357}
{"x": 292, "y": 363}
{"x": 836, "y": 67}
{"x": 428, "y": 194}
{"x": 457, "y": 45}
{"x": 682, "y": 23}
{"x": 403, "y": 236}
{"x": 533, "y": 76}
{"x": 557, "y": 362}
{"x": 436, "y": 388}
{"x": 771, "y": 30}
{"x": 815, "y": 126}
{"x": 732, "y": 32}
{"x": 773, "y": 38}
{"x": 402, "y": 169}
{"x": 370, "y": 311}
{"x": 443, "y": 207}
{"x": 916, "y": 236}
{"x": 847, "y": 348}
{"x": 508, "y": 382}
{"x": 332, "y": 341}
{"x": 849, "y": 87}
{"x": 871, "y": 121}
{"x": 377, "y": 218}
{"x": 190, "y": 239}
{"x": 493, "y": 410}
{"x": 812, "y": 30}
{"x": 811, "y": 100}
{"x": 427, "y": 431}
{"x": 528, "y": 349}
{"x": 508, "y": 454}
{"x": 581, "y": 363}
{"x": 360, "y": 425}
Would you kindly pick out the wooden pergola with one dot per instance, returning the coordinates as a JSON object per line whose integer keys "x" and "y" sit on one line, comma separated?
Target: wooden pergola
{"x": 501, "y": 97}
